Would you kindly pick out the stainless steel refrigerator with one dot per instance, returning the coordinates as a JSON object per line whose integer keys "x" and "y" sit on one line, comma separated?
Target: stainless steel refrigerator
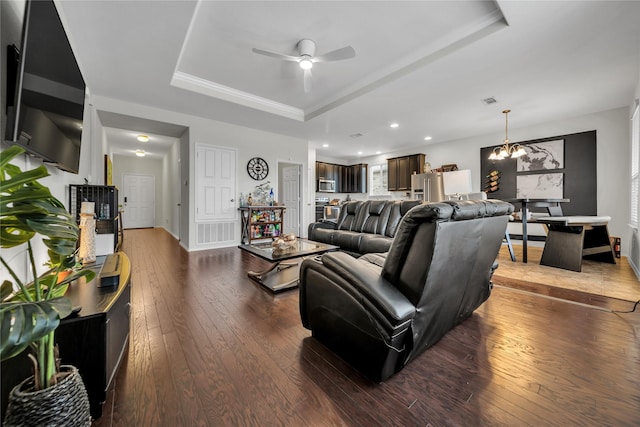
{"x": 428, "y": 187}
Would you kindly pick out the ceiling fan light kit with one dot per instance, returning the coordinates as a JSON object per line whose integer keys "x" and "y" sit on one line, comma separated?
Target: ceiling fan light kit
{"x": 306, "y": 57}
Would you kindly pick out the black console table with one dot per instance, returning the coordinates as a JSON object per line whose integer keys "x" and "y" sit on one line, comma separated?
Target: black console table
{"x": 94, "y": 341}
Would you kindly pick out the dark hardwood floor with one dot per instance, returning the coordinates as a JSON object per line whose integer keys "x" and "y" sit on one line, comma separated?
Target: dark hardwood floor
{"x": 210, "y": 347}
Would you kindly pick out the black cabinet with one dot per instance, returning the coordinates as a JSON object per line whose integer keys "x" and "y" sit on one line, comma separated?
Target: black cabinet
{"x": 94, "y": 341}
{"x": 400, "y": 170}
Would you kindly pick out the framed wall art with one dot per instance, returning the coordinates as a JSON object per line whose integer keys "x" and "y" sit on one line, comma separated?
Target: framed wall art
{"x": 540, "y": 186}
{"x": 545, "y": 155}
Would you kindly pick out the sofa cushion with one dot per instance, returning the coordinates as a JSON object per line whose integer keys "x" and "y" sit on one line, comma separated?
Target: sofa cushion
{"x": 347, "y": 240}
{"x": 374, "y": 243}
{"x": 347, "y": 218}
{"x": 323, "y": 235}
{"x": 470, "y": 209}
{"x": 396, "y": 211}
{"x": 372, "y": 217}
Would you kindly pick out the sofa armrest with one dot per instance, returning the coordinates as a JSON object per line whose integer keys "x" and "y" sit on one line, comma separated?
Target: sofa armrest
{"x": 322, "y": 224}
{"x": 368, "y": 283}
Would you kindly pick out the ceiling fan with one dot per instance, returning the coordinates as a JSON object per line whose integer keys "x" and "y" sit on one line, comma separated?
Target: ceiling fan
{"x": 306, "y": 59}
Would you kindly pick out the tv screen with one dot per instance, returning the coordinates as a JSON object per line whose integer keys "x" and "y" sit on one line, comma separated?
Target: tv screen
{"x": 44, "y": 115}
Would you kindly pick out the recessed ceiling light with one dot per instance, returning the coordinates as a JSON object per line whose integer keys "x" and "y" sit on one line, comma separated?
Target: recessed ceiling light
{"x": 140, "y": 153}
{"x": 378, "y": 152}
{"x": 427, "y": 138}
{"x": 359, "y": 153}
{"x": 143, "y": 138}
{"x": 325, "y": 145}
{"x": 394, "y": 125}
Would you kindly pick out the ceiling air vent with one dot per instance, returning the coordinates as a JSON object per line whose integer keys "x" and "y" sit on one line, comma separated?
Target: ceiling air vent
{"x": 490, "y": 100}
{"x": 356, "y": 135}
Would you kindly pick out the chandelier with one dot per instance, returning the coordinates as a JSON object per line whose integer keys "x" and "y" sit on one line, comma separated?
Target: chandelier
{"x": 506, "y": 150}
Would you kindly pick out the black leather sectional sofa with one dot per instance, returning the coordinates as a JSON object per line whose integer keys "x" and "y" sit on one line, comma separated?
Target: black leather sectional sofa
{"x": 382, "y": 310}
{"x": 363, "y": 226}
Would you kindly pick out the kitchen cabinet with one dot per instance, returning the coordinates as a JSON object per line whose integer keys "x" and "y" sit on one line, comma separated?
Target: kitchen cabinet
{"x": 330, "y": 172}
{"x": 400, "y": 169}
{"x": 355, "y": 178}
{"x": 348, "y": 178}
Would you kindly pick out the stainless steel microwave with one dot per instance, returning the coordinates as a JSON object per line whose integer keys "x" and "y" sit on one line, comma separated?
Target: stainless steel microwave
{"x": 326, "y": 186}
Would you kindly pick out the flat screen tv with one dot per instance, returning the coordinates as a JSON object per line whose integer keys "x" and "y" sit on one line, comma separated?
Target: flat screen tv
{"x": 45, "y": 90}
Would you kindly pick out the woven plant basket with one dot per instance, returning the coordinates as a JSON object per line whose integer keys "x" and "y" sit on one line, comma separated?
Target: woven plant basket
{"x": 64, "y": 404}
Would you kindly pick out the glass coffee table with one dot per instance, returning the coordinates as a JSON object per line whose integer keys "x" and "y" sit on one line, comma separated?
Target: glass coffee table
{"x": 283, "y": 273}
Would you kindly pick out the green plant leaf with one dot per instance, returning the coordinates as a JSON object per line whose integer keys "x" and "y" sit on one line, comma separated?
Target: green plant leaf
{"x": 6, "y": 290}
{"x": 22, "y": 323}
{"x": 19, "y": 180}
{"x": 17, "y": 238}
{"x": 9, "y": 154}
{"x": 89, "y": 275}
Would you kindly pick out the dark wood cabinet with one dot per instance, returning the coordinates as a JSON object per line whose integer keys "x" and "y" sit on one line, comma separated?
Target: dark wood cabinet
{"x": 356, "y": 178}
{"x": 348, "y": 179}
{"x": 400, "y": 170}
{"x": 94, "y": 341}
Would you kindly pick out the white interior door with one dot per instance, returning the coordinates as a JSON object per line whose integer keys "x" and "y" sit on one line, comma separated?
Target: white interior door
{"x": 139, "y": 201}
{"x": 215, "y": 183}
{"x": 291, "y": 199}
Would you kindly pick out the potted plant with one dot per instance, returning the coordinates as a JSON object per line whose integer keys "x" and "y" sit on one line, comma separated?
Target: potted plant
{"x": 30, "y": 312}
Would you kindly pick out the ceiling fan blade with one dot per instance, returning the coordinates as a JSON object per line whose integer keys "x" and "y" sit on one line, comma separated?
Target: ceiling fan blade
{"x": 336, "y": 55}
{"x": 307, "y": 81}
{"x": 275, "y": 55}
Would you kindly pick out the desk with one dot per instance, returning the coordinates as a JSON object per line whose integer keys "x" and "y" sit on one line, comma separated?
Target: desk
{"x": 532, "y": 203}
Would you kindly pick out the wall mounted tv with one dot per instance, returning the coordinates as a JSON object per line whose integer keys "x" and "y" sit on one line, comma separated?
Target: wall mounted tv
{"x": 45, "y": 90}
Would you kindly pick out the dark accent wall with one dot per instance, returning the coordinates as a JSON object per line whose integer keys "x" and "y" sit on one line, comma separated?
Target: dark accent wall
{"x": 580, "y": 180}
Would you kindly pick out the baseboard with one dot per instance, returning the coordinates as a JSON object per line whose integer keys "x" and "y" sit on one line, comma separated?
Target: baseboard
{"x": 635, "y": 269}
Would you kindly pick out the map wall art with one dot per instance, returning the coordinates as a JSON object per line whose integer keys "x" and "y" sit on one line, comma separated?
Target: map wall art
{"x": 540, "y": 186}
{"x": 542, "y": 156}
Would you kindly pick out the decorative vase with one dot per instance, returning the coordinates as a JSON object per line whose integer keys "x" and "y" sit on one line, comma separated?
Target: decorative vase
{"x": 64, "y": 404}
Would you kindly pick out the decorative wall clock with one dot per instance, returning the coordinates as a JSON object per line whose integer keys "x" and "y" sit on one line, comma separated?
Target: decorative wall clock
{"x": 257, "y": 168}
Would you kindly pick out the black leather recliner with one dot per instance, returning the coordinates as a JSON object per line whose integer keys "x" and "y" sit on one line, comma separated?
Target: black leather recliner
{"x": 380, "y": 311}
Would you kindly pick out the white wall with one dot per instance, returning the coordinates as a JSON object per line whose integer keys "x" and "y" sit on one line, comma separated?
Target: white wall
{"x": 171, "y": 195}
{"x": 634, "y": 235}
{"x": 248, "y": 142}
{"x": 11, "y": 16}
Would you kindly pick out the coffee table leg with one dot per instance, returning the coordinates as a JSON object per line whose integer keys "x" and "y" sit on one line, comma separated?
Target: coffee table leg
{"x": 259, "y": 276}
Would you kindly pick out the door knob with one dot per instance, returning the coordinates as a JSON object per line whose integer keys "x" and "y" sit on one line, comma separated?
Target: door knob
{"x": 233, "y": 200}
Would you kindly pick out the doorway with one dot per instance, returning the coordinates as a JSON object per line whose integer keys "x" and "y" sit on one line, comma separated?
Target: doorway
{"x": 139, "y": 201}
